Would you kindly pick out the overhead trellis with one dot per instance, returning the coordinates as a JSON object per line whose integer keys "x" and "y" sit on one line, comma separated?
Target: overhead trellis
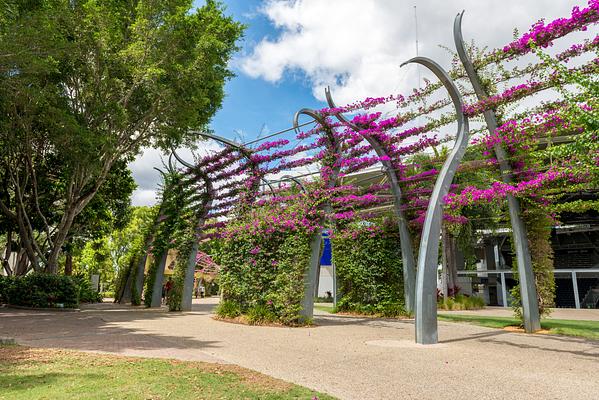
{"x": 200, "y": 199}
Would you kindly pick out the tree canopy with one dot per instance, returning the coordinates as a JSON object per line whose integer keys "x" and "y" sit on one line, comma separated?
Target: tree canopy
{"x": 84, "y": 85}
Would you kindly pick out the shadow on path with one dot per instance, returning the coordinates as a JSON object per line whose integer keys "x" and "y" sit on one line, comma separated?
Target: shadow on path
{"x": 98, "y": 328}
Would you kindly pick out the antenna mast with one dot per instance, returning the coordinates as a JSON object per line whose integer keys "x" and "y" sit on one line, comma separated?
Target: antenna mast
{"x": 416, "y": 31}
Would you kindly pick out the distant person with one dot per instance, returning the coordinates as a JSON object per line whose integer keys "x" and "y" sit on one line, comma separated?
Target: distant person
{"x": 202, "y": 291}
{"x": 166, "y": 290}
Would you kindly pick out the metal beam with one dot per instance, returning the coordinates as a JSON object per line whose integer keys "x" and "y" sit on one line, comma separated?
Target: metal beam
{"x": 528, "y": 291}
{"x": 575, "y": 287}
{"x": 313, "y": 271}
{"x": 428, "y": 254}
{"x": 405, "y": 238}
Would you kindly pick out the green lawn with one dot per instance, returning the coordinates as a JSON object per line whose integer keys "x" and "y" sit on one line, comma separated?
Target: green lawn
{"x": 27, "y": 373}
{"x": 322, "y": 307}
{"x": 585, "y": 329}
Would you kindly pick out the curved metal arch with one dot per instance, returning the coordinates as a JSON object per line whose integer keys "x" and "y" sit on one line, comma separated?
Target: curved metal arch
{"x": 428, "y": 254}
{"x": 181, "y": 160}
{"x": 268, "y": 183}
{"x": 245, "y": 151}
{"x": 187, "y": 295}
{"x": 405, "y": 238}
{"x": 309, "y": 112}
{"x": 313, "y": 274}
{"x": 297, "y": 181}
{"x": 156, "y": 300}
{"x": 528, "y": 291}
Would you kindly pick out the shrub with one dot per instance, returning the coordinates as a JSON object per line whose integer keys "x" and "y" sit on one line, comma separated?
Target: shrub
{"x": 461, "y": 302}
{"x": 228, "y": 309}
{"x": 390, "y": 309}
{"x": 368, "y": 265}
{"x": 260, "y": 314}
{"x": 264, "y": 256}
{"x": 5, "y": 282}
{"x": 43, "y": 291}
{"x": 107, "y": 294}
{"x": 86, "y": 293}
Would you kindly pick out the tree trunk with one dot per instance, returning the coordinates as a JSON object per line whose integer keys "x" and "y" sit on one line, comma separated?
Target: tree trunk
{"x": 59, "y": 240}
{"x": 22, "y": 263}
{"x": 68, "y": 264}
{"x": 7, "y": 253}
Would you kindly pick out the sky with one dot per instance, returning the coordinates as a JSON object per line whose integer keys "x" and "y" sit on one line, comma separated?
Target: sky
{"x": 293, "y": 49}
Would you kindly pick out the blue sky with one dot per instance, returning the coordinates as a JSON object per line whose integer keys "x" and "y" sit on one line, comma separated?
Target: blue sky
{"x": 253, "y": 104}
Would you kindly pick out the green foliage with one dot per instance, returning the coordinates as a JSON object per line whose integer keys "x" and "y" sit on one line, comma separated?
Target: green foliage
{"x": 263, "y": 265}
{"x": 84, "y": 86}
{"x": 95, "y": 259}
{"x": 135, "y": 296}
{"x": 127, "y": 247}
{"x": 368, "y": 265}
{"x": 173, "y": 222}
{"x": 43, "y": 291}
{"x": 461, "y": 302}
{"x": 538, "y": 225}
{"x": 228, "y": 309}
{"x": 260, "y": 314}
{"x": 86, "y": 293}
{"x": 5, "y": 281}
{"x": 175, "y": 295}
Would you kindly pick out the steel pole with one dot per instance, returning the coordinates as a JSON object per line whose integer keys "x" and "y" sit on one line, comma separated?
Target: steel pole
{"x": 528, "y": 290}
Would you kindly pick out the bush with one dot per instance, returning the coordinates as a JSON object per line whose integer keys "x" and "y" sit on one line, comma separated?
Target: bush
{"x": 461, "y": 302}
{"x": 86, "y": 293}
{"x": 368, "y": 265}
{"x": 43, "y": 291}
{"x": 228, "y": 309}
{"x": 5, "y": 282}
{"x": 260, "y": 314}
{"x": 264, "y": 256}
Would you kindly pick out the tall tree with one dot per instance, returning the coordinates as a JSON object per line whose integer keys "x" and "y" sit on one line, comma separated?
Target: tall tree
{"x": 85, "y": 85}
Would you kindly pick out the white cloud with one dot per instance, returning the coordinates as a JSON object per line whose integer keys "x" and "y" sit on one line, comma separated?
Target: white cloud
{"x": 148, "y": 178}
{"x": 356, "y": 46}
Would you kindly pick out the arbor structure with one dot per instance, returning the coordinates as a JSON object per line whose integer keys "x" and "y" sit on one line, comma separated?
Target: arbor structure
{"x": 227, "y": 181}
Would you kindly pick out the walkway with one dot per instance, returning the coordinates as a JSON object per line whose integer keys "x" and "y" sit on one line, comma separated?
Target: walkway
{"x": 352, "y": 358}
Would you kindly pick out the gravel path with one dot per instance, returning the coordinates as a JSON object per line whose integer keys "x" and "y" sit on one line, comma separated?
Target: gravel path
{"x": 352, "y": 358}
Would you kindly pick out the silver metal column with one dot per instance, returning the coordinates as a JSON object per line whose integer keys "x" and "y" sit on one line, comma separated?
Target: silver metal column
{"x": 311, "y": 276}
{"x": 530, "y": 304}
{"x": 157, "y": 288}
{"x": 575, "y": 286}
{"x": 428, "y": 255}
{"x": 307, "y": 311}
{"x": 503, "y": 290}
{"x": 405, "y": 237}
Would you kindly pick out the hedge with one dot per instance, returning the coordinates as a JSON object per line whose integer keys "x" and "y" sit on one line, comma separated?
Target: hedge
{"x": 264, "y": 258}
{"x": 368, "y": 266}
{"x": 40, "y": 291}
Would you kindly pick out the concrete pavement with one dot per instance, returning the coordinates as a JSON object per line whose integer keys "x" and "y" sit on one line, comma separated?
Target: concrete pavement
{"x": 348, "y": 357}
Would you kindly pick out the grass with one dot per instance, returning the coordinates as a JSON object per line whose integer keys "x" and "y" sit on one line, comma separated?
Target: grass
{"x": 585, "y": 329}
{"x": 326, "y": 308}
{"x": 27, "y": 373}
